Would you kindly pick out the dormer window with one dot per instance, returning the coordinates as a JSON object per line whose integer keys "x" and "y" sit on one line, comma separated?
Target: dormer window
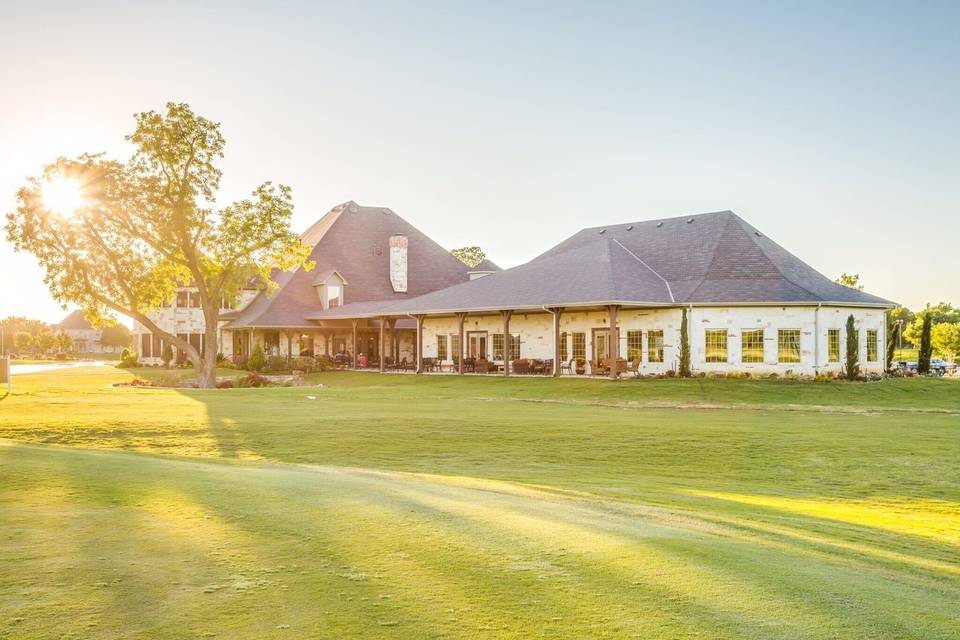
{"x": 333, "y": 296}
{"x": 330, "y": 286}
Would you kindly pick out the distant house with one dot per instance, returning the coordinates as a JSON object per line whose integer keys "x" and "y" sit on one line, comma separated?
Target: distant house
{"x": 86, "y": 339}
{"x": 608, "y": 294}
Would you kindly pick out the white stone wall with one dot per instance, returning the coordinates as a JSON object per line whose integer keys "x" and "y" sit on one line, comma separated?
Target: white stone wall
{"x": 536, "y": 335}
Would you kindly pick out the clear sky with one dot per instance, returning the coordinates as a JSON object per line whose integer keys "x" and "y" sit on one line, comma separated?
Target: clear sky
{"x": 835, "y": 129}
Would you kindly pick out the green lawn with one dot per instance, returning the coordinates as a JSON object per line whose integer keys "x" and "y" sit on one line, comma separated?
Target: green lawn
{"x": 439, "y": 507}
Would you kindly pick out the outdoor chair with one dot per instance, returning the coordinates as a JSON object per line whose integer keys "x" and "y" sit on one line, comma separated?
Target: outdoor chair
{"x": 521, "y": 366}
{"x": 470, "y": 364}
{"x": 546, "y": 367}
{"x": 482, "y": 365}
{"x": 635, "y": 368}
{"x": 567, "y": 367}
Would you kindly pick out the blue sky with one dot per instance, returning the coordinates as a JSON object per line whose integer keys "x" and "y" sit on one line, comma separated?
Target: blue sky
{"x": 511, "y": 125}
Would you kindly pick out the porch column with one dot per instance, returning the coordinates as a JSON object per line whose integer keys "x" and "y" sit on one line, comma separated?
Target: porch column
{"x": 354, "y": 324}
{"x": 289, "y": 346}
{"x": 391, "y": 336}
{"x": 614, "y": 349}
{"x": 460, "y": 318}
{"x": 383, "y": 343}
{"x": 419, "y": 349}
{"x": 506, "y": 340}
{"x": 555, "y": 313}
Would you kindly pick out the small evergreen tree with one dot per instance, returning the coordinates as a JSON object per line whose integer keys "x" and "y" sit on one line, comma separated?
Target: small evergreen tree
{"x": 926, "y": 346}
{"x": 64, "y": 341}
{"x": 892, "y": 330}
{"x": 684, "y": 347}
{"x": 167, "y": 355}
{"x": 853, "y": 350}
{"x": 256, "y": 360}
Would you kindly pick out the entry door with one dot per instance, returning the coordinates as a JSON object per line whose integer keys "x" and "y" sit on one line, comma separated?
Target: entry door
{"x": 372, "y": 348}
{"x": 601, "y": 344}
{"x": 477, "y": 347}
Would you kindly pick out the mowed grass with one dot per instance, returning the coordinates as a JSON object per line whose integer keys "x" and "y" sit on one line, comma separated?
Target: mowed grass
{"x": 403, "y": 507}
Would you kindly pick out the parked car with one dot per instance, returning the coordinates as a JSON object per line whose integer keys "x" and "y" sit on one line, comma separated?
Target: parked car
{"x": 938, "y": 366}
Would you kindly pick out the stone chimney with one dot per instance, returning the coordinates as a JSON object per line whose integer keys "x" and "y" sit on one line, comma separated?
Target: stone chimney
{"x": 398, "y": 263}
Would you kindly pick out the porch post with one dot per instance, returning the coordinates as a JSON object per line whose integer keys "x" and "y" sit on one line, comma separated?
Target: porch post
{"x": 419, "y": 318}
{"x": 354, "y": 346}
{"x": 383, "y": 343}
{"x": 506, "y": 340}
{"x": 614, "y": 349}
{"x": 289, "y": 346}
{"x": 460, "y": 318}
{"x": 394, "y": 352}
{"x": 555, "y": 312}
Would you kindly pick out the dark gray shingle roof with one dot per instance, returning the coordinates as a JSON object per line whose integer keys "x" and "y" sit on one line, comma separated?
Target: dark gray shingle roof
{"x": 353, "y": 240}
{"x": 701, "y": 259}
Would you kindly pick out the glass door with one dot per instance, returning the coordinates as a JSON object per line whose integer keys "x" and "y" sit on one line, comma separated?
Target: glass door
{"x": 477, "y": 344}
{"x": 601, "y": 344}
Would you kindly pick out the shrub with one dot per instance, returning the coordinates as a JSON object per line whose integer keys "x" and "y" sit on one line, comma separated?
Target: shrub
{"x": 167, "y": 355}
{"x": 226, "y": 364}
{"x": 926, "y": 347}
{"x": 137, "y": 382}
{"x": 252, "y": 380}
{"x": 274, "y": 364}
{"x": 324, "y": 363}
{"x": 256, "y": 360}
{"x": 128, "y": 360}
{"x": 225, "y": 384}
{"x": 168, "y": 380}
{"x": 240, "y": 361}
{"x": 61, "y": 355}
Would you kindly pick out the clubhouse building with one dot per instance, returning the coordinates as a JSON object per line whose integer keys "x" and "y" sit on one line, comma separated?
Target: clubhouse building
{"x": 606, "y": 301}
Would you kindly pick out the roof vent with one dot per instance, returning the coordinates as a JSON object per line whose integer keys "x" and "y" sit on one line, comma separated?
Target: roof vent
{"x": 630, "y": 228}
{"x": 659, "y": 224}
{"x": 690, "y": 221}
{"x": 386, "y": 212}
{"x": 757, "y": 233}
{"x": 603, "y": 230}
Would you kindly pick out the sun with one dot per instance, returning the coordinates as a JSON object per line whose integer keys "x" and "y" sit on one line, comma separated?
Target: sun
{"x": 63, "y": 196}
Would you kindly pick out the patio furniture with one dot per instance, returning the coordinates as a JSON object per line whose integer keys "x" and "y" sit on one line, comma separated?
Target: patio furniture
{"x": 599, "y": 367}
{"x": 635, "y": 369}
{"x": 520, "y": 366}
{"x": 546, "y": 367}
{"x": 567, "y": 367}
{"x": 482, "y": 365}
{"x": 470, "y": 364}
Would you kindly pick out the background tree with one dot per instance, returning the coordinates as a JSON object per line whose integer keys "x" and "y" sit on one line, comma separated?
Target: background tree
{"x": 116, "y": 336}
{"x": 851, "y": 280}
{"x": 942, "y": 312}
{"x": 945, "y": 338}
{"x": 12, "y": 325}
{"x": 23, "y": 341}
{"x": 64, "y": 342}
{"x": 852, "y": 369}
{"x": 45, "y": 341}
{"x": 470, "y": 256}
{"x": 150, "y": 224}
{"x": 166, "y": 355}
{"x": 926, "y": 348}
{"x": 903, "y": 314}
{"x": 684, "y": 347}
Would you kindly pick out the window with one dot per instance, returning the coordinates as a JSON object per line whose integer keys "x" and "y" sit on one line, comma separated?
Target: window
{"x": 515, "y": 346}
{"x": 226, "y": 303}
{"x": 580, "y": 346}
{"x": 655, "y": 346}
{"x": 833, "y": 345}
{"x": 563, "y": 346}
{"x": 498, "y": 346}
{"x": 183, "y": 299}
{"x": 788, "y": 345}
{"x": 305, "y": 345}
{"x": 195, "y": 299}
{"x": 871, "y": 345}
{"x": 455, "y": 350}
{"x": 752, "y": 345}
{"x": 441, "y": 347}
{"x": 145, "y": 344}
{"x": 634, "y": 345}
{"x": 716, "y": 345}
{"x": 157, "y": 347}
{"x": 333, "y": 296}
{"x": 271, "y": 343}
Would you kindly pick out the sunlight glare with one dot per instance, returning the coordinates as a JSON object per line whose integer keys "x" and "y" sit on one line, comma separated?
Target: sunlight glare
{"x": 63, "y": 196}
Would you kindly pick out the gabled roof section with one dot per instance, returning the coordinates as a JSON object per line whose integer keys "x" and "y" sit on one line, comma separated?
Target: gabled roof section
{"x": 353, "y": 241}
{"x": 711, "y": 258}
{"x": 74, "y": 322}
{"x": 323, "y": 276}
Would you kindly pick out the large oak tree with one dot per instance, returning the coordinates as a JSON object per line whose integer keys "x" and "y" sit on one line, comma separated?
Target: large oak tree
{"x": 151, "y": 224}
